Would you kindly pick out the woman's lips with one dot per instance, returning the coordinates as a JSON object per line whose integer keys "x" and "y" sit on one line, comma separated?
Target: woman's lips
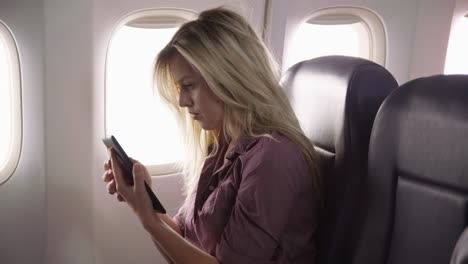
{"x": 194, "y": 115}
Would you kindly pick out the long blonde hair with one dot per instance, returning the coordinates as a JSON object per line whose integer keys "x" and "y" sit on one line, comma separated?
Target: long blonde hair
{"x": 242, "y": 73}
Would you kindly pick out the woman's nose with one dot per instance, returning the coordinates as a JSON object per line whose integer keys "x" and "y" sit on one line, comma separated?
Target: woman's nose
{"x": 184, "y": 100}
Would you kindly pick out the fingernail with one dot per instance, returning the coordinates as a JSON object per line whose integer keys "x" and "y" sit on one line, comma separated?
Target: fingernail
{"x": 137, "y": 168}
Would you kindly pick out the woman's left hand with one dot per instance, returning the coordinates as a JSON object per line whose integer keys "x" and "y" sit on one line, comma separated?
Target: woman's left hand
{"x": 136, "y": 195}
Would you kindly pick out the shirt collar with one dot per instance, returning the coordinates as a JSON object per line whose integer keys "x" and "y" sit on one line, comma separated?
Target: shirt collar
{"x": 242, "y": 145}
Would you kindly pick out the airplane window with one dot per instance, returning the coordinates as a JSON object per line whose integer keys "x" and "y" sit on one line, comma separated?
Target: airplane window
{"x": 134, "y": 114}
{"x": 337, "y": 31}
{"x": 10, "y": 104}
{"x": 456, "y": 61}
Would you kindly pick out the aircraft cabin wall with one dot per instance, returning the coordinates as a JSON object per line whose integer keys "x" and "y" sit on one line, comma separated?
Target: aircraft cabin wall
{"x": 23, "y": 210}
{"x": 54, "y": 208}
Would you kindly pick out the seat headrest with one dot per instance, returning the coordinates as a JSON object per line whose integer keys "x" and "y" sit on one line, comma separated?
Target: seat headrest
{"x": 325, "y": 89}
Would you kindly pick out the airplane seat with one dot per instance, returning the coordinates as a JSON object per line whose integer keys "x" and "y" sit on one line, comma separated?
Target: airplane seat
{"x": 460, "y": 253}
{"x": 336, "y": 99}
{"x": 417, "y": 186}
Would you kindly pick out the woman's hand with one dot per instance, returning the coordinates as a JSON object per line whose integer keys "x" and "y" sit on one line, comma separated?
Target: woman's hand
{"x": 108, "y": 177}
{"x": 164, "y": 231}
{"x": 136, "y": 195}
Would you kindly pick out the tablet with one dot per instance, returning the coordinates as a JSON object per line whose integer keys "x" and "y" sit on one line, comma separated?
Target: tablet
{"x": 127, "y": 167}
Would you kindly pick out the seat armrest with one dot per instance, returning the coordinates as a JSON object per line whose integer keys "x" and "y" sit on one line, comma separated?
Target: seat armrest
{"x": 460, "y": 253}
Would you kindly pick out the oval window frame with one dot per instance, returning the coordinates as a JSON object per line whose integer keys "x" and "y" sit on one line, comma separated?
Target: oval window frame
{"x": 372, "y": 22}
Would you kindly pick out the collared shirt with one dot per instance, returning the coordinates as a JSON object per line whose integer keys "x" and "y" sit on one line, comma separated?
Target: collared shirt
{"x": 255, "y": 206}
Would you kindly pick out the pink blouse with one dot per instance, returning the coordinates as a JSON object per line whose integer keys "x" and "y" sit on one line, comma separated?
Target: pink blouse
{"x": 255, "y": 206}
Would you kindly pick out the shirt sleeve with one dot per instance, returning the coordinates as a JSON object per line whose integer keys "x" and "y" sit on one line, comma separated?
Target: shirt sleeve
{"x": 270, "y": 182}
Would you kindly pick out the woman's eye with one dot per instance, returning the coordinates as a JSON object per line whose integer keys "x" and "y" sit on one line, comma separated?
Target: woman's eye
{"x": 187, "y": 87}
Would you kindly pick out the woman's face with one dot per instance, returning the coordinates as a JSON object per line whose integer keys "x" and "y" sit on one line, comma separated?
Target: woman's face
{"x": 195, "y": 94}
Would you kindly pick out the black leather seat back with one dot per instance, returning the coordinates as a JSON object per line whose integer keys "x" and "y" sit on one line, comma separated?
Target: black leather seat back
{"x": 336, "y": 99}
{"x": 418, "y": 174}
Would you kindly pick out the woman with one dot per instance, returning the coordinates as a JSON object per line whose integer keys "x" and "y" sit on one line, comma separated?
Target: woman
{"x": 252, "y": 181}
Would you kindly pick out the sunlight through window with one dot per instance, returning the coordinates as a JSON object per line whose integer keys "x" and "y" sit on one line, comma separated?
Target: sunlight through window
{"x": 134, "y": 114}
{"x": 457, "y": 54}
{"x": 10, "y": 104}
{"x": 5, "y": 104}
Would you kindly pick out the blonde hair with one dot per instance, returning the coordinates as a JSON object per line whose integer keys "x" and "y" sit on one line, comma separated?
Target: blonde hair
{"x": 242, "y": 73}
